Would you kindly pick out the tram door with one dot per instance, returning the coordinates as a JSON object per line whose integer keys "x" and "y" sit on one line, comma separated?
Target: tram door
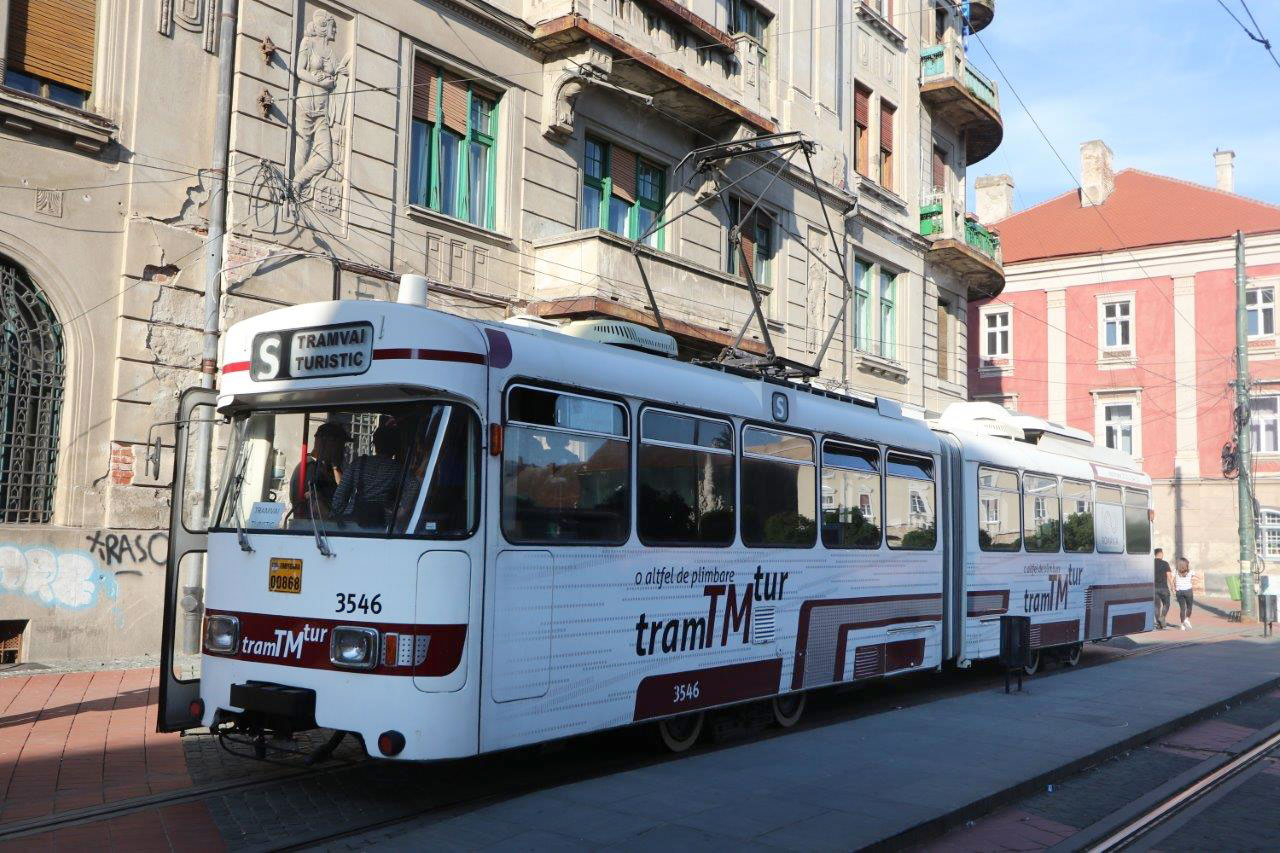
{"x": 191, "y": 494}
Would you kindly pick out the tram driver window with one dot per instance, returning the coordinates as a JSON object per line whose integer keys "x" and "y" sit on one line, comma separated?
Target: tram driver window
{"x": 684, "y": 480}
{"x": 999, "y": 526}
{"x": 565, "y": 469}
{"x": 1137, "y": 522}
{"x": 909, "y": 522}
{"x": 779, "y": 499}
{"x": 1040, "y": 513}
{"x": 354, "y": 470}
{"x": 1077, "y": 506}
{"x": 850, "y": 496}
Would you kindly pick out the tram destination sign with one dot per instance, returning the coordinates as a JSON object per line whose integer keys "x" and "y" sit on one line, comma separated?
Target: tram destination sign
{"x": 345, "y": 349}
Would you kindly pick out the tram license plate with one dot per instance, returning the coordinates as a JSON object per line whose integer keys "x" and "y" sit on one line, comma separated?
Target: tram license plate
{"x": 285, "y": 575}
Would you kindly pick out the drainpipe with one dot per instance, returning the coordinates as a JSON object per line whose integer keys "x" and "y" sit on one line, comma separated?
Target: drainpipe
{"x": 192, "y": 584}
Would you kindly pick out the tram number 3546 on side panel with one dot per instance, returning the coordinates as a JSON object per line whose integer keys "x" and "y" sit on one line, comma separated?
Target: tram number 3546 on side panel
{"x": 686, "y": 692}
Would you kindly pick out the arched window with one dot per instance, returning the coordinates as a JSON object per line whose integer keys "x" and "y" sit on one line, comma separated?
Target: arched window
{"x": 30, "y": 398}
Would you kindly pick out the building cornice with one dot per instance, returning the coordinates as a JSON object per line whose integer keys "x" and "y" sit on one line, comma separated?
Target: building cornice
{"x": 1168, "y": 261}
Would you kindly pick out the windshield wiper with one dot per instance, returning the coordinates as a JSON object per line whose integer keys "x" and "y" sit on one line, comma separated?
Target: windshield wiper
{"x": 317, "y": 523}
{"x": 241, "y": 536}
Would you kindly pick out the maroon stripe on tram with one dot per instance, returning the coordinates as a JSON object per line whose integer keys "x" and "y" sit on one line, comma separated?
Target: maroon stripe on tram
{"x": 406, "y": 353}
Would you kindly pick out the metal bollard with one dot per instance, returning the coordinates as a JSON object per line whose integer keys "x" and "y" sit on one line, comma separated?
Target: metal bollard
{"x": 1267, "y": 612}
{"x": 1015, "y": 646}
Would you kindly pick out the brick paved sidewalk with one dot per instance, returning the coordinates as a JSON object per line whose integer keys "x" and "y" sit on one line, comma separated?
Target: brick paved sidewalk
{"x": 74, "y": 740}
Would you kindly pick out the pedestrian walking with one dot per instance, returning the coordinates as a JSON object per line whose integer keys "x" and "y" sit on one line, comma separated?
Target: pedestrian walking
{"x": 1162, "y": 590}
{"x": 1182, "y": 582}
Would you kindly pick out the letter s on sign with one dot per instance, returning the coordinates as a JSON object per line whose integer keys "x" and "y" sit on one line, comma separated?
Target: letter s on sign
{"x": 266, "y": 360}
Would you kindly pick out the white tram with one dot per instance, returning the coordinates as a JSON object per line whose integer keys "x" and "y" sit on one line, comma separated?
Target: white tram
{"x": 452, "y": 537}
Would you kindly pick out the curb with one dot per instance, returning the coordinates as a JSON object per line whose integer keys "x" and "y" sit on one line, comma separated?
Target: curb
{"x": 935, "y": 827}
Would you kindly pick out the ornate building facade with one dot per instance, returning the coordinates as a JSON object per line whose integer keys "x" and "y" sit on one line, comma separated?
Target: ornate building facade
{"x": 514, "y": 151}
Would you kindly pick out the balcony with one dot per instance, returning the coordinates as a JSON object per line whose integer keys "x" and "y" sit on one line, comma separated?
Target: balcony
{"x": 582, "y": 52}
{"x": 980, "y": 14}
{"x": 961, "y": 244}
{"x": 958, "y": 94}
{"x": 593, "y": 273}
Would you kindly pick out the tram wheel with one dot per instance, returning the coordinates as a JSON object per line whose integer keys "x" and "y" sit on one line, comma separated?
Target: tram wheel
{"x": 1034, "y": 666}
{"x": 789, "y": 708}
{"x": 678, "y": 734}
{"x": 1072, "y": 655}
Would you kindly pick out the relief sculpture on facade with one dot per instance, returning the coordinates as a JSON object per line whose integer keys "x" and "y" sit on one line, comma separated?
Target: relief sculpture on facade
{"x": 321, "y": 124}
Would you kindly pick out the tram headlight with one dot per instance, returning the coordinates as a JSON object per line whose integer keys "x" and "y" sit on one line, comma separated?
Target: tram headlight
{"x": 354, "y": 648}
{"x": 221, "y": 634}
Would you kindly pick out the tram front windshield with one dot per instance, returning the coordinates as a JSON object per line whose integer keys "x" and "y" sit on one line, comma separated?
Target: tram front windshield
{"x": 354, "y": 470}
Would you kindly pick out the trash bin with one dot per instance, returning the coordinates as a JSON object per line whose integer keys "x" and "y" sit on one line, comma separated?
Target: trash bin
{"x": 1015, "y": 642}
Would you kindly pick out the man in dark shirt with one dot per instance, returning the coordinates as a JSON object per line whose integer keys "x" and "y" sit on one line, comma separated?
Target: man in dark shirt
{"x": 323, "y": 470}
{"x": 1162, "y": 589}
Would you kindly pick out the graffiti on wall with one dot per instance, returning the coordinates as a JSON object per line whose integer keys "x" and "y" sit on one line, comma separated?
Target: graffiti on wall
{"x": 112, "y": 548}
{"x": 74, "y": 580}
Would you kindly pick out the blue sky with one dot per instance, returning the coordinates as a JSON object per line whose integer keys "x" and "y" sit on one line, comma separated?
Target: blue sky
{"x": 1162, "y": 82}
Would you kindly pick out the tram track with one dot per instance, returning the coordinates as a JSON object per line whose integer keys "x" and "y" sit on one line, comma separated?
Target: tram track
{"x": 1136, "y": 831}
{"x": 578, "y": 759}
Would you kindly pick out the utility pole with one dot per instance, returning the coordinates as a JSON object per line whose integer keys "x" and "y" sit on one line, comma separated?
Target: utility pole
{"x": 1244, "y": 456}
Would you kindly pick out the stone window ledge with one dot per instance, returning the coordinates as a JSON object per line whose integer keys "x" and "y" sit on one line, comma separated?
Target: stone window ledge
{"x": 881, "y": 24}
{"x": 878, "y": 192}
{"x": 22, "y": 113}
{"x": 441, "y": 220}
{"x": 1120, "y": 361}
{"x": 880, "y": 366}
{"x": 987, "y": 371}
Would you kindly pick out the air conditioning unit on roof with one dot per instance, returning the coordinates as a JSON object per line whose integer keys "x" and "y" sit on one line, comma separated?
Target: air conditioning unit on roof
{"x": 620, "y": 333}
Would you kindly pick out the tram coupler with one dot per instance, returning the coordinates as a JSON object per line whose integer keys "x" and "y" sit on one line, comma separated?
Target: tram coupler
{"x": 325, "y": 750}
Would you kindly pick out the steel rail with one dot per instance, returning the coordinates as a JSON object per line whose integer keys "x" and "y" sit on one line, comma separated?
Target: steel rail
{"x": 1156, "y": 816}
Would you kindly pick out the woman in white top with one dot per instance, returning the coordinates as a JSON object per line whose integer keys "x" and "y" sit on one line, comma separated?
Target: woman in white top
{"x": 1182, "y": 581}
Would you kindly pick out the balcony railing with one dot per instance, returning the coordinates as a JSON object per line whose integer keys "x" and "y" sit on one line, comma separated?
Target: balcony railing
{"x": 981, "y": 87}
{"x": 986, "y": 242}
{"x": 961, "y": 244}
{"x": 940, "y": 61}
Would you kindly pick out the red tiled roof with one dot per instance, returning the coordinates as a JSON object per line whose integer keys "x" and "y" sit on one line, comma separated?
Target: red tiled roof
{"x": 1144, "y": 210}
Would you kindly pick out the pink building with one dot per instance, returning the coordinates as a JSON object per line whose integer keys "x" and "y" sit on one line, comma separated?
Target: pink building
{"x": 1118, "y": 317}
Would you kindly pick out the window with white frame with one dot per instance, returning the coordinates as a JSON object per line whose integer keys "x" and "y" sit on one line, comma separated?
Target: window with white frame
{"x": 1264, "y": 424}
{"x": 1269, "y": 534}
{"x": 1117, "y": 324}
{"x": 997, "y": 334}
{"x": 1259, "y": 303}
{"x": 1117, "y": 421}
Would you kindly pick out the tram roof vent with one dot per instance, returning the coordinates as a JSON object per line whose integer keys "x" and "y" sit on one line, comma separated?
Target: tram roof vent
{"x": 622, "y": 334}
{"x": 529, "y": 321}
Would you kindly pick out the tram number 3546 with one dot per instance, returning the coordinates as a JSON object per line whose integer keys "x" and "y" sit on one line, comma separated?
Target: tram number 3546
{"x": 349, "y": 602}
{"x": 685, "y": 692}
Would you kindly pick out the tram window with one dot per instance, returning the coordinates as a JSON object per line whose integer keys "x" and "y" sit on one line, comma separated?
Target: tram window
{"x": 999, "y": 525}
{"x": 1077, "y": 506}
{"x": 910, "y": 523}
{"x": 779, "y": 502}
{"x": 1040, "y": 513}
{"x": 684, "y": 480}
{"x": 354, "y": 470}
{"x": 1108, "y": 520}
{"x": 1137, "y": 522}
{"x": 850, "y": 496}
{"x": 565, "y": 469}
